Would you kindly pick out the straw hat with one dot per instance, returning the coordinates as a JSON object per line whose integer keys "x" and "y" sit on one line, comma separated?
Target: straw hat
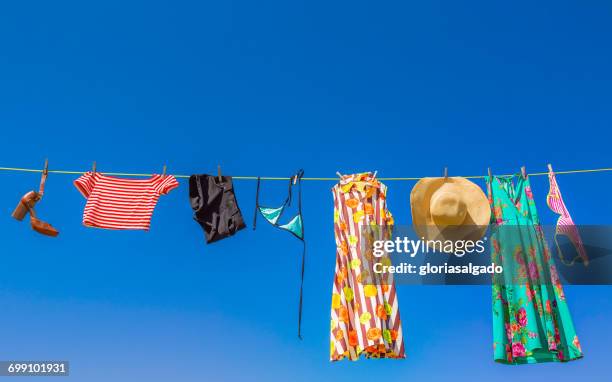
{"x": 449, "y": 209}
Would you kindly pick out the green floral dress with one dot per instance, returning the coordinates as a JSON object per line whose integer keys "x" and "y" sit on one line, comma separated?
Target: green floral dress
{"x": 531, "y": 319}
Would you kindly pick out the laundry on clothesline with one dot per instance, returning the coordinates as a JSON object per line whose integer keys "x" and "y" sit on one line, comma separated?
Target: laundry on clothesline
{"x": 565, "y": 223}
{"x": 449, "y": 208}
{"x": 215, "y": 206}
{"x": 365, "y": 318}
{"x": 27, "y": 203}
{"x": 324, "y": 179}
{"x": 532, "y": 322}
{"x": 295, "y": 225}
{"x": 531, "y": 319}
{"x": 121, "y": 203}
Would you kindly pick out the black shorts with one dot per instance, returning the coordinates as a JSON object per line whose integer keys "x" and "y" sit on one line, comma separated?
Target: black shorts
{"x": 215, "y": 206}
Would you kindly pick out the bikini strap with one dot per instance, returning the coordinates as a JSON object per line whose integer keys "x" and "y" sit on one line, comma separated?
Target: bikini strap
{"x": 289, "y": 195}
{"x": 300, "y": 197}
{"x": 301, "y": 291}
{"x": 299, "y": 176}
{"x": 256, "y": 204}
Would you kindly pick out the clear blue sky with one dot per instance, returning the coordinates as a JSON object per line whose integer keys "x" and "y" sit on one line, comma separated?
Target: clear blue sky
{"x": 264, "y": 88}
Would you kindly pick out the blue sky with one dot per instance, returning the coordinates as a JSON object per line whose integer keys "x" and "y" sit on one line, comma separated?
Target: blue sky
{"x": 264, "y": 88}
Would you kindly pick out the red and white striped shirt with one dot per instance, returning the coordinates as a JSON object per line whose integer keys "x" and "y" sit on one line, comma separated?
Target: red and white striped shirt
{"x": 120, "y": 203}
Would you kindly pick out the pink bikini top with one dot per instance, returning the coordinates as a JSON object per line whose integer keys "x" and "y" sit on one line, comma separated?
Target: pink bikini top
{"x": 565, "y": 224}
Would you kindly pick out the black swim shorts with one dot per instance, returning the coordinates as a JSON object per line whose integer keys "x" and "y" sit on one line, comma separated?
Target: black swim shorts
{"x": 215, "y": 206}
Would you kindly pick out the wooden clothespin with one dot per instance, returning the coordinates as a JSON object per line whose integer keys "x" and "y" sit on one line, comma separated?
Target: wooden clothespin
{"x": 93, "y": 167}
{"x": 523, "y": 172}
{"x": 445, "y": 173}
{"x": 219, "y": 173}
{"x": 550, "y": 168}
{"x": 43, "y": 179}
{"x": 164, "y": 171}
{"x": 338, "y": 173}
{"x": 375, "y": 172}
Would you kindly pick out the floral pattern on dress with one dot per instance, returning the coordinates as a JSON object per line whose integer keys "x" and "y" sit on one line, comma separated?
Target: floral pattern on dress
{"x": 531, "y": 319}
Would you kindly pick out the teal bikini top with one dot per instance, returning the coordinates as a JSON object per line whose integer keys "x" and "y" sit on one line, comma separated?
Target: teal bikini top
{"x": 273, "y": 215}
{"x": 294, "y": 225}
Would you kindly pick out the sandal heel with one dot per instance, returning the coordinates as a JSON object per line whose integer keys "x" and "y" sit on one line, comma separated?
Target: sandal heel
{"x": 20, "y": 211}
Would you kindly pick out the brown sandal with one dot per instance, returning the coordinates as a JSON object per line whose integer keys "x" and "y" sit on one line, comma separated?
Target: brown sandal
{"x": 39, "y": 225}
{"x": 27, "y": 203}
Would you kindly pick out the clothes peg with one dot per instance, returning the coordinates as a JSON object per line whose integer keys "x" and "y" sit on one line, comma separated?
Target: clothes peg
{"x": 219, "y": 173}
{"x": 523, "y": 172}
{"x": 375, "y": 172}
{"x": 489, "y": 182}
{"x": 294, "y": 178}
{"x": 445, "y": 173}
{"x": 338, "y": 173}
{"x": 93, "y": 167}
{"x": 550, "y": 168}
{"x": 164, "y": 171}
{"x": 43, "y": 178}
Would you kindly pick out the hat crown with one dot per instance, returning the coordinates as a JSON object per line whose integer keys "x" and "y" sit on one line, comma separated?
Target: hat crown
{"x": 447, "y": 207}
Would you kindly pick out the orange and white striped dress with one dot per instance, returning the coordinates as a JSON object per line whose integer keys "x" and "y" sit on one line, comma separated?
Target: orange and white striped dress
{"x": 365, "y": 317}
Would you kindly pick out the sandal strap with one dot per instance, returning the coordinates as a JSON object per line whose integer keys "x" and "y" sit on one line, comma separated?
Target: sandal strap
{"x": 30, "y": 209}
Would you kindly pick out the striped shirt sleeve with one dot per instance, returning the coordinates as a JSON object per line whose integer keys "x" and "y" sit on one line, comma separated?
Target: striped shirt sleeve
{"x": 85, "y": 183}
{"x": 166, "y": 184}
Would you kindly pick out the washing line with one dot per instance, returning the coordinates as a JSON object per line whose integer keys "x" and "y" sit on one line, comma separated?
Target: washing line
{"x": 18, "y": 169}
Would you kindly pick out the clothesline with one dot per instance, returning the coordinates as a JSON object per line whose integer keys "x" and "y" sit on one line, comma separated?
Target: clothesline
{"x": 287, "y": 178}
